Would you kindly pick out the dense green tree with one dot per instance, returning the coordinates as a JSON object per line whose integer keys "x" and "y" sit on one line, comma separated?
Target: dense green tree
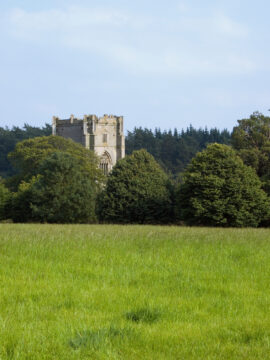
{"x": 29, "y": 154}
{"x": 61, "y": 193}
{"x": 219, "y": 190}
{"x": 251, "y": 138}
{"x": 10, "y": 137}
{"x": 4, "y": 198}
{"x": 137, "y": 191}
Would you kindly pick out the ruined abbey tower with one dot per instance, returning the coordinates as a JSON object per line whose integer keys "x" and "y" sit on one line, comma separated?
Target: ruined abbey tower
{"x": 104, "y": 135}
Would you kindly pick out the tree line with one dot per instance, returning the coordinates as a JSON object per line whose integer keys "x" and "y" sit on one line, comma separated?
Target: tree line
{"x": 172, "y": 149}
{"x": 225, "y": 184}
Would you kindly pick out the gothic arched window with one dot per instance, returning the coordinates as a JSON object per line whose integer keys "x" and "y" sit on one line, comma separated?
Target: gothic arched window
{"x": 105, "y": 163}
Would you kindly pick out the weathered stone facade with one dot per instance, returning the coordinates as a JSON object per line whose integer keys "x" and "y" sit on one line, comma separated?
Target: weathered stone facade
{"x": 104, "y": 135}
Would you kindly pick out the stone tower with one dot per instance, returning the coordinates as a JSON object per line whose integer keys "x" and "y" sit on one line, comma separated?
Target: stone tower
{"x": 104, "y": 135}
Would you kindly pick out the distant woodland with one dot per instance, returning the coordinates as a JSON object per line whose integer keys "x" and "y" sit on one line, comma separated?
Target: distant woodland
{"x": 173, "y": 150}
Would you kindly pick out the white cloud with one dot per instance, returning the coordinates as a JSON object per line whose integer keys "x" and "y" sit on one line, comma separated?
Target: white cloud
{"x": 72, "y": 16}
{"x": 229, "y": 27}
{"x": 185, "y": 45}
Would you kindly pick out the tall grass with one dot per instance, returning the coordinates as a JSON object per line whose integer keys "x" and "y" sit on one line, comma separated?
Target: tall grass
{"x": 133, "y": 292}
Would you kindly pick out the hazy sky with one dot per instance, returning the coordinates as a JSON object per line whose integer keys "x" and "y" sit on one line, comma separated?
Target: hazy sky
{"x": 159, "y": 63}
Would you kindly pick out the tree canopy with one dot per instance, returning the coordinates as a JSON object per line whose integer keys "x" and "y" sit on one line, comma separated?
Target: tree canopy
{"x": 137, "y": 191}
{"x": 219, "y": 190}
{"x": 251, "y": 138}
{"x": 60, "y": 193}
{"x": 29, "y": 154}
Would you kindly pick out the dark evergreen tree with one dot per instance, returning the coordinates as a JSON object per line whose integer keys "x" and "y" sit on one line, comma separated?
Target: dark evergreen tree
{"x": 219, "y": 190}
{"x": 174, "y": 151}
{"x": 137, "y": 191}
{"x": 10, "y": 137}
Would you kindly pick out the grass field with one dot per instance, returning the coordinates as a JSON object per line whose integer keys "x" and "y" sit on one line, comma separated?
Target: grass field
{"x": 134, "y": 292}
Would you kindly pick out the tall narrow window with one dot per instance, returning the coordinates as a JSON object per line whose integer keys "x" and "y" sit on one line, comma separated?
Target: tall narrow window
{"x": 105, "y": 138}
{"x": 105, "y": 163}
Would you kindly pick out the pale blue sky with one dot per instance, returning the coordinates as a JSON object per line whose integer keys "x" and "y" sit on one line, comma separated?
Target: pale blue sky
{"x": 159, "y": 63}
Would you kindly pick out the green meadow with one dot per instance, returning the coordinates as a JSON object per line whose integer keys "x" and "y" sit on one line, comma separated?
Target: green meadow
{"x": 133, "y": 292}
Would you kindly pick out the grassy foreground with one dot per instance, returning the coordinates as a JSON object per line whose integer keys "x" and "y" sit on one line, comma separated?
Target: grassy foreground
{"x": 133, "y": 292}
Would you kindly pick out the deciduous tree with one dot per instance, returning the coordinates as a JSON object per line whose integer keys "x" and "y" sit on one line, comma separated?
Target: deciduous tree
{"x": 61, "y": 193}
{"x": 29, "y": 154}
{"x": 137, "y": 191}
{"x": 251, "y": 139}
{"x": 219, "y": 190}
